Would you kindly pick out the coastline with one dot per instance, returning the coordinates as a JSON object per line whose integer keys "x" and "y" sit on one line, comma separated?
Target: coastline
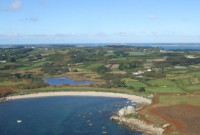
{"x": 136, "y": 99}
{"x": 132, "y": 123}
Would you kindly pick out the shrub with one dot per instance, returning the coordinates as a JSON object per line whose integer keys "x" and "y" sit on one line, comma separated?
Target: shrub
{"x": 142, "y": 89}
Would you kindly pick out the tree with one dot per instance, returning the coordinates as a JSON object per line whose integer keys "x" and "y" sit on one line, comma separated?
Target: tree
{"x": 102, "y": 69}
{"x": 18, "y": 75}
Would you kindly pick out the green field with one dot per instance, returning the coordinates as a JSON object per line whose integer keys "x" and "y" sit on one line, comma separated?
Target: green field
{"x": 93, "y": 66}
{"x": 168, "y": 89}
{"x": 136, "y": 84}
{"x": 195, "y": 87}
{"x": 169, "y": 100}
{"x": 12, "y": 83}
{"x": 161, "y": 82}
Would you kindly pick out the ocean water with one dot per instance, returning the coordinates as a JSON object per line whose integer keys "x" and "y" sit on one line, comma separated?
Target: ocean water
{"x": 179, "y": 47}
{"x": 64, "y": 80}
{"x": 65, "y": 115}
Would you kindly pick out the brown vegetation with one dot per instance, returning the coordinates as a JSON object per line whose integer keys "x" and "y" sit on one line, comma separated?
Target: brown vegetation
{"x": 186, "y": 118}
{"x": 6, "y": 90}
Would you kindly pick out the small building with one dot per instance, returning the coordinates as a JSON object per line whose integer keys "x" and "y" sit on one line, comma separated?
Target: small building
{"x": 180, "y": 67}
{"x": 3, "y": 61}
{"x": 190, "y": 56}
{"x": 138, "y": 73}
{"x": 149, "y": 70}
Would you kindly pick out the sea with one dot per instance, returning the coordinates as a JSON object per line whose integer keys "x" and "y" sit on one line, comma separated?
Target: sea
{"x": 166, "y": 46}
{"x": 65, "y": 115}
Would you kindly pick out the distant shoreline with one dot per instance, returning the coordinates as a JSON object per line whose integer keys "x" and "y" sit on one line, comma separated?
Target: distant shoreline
{"x": 136, "y": 99}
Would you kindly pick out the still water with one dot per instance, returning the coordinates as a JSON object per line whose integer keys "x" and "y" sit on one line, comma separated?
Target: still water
{"x": 64, "y": 80}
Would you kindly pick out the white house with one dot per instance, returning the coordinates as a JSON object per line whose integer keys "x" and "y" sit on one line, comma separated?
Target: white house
{"x": 3, "y": 61}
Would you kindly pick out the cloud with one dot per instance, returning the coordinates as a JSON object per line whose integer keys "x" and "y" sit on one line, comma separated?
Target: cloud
{"x": 15, "y": 5}
{"x": 32, "y": 19}
{"x": 36, "y": 35}
{"x": 14, "y": 34}
{"x": 64, "y": 35}
{"x": 153, "y": 17}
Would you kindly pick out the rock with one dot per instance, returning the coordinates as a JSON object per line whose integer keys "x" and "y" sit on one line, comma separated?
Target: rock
{"x": 165, "y": 125}
{"x": 126, "y": 110}
{"x": 19, "y": 121}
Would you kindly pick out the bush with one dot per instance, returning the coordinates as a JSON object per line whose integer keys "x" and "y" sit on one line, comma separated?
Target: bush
{"x": 102, "y": 70}
{"x": 130, "y": 87}
{"x": 37, "y": 82}
{"x": 142, "y": 89}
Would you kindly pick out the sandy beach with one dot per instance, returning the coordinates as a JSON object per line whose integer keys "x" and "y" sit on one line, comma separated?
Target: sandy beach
{"x": 136, "y": 99}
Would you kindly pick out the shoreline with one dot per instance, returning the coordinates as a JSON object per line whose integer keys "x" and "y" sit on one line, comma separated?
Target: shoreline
{"x": 134, "y": 98}
{"x": 132, "y": 123}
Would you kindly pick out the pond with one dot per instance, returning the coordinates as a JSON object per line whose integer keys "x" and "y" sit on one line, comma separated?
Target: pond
{"x": 65, "y": 80}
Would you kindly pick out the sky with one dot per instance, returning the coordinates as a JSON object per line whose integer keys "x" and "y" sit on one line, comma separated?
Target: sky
{"x": 99, "y": 21}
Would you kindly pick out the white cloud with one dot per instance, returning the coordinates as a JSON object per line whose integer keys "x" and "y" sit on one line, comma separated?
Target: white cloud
{"x": 15, "y": 5}
{"x": 64, "y": 35}
{"x": 15, "y": 34}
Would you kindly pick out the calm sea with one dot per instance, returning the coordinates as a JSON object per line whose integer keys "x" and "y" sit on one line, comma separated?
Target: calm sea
{"x": 65, "y": 115}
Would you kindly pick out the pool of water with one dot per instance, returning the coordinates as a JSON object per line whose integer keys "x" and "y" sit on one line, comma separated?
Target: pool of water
{"x": 65, "y": 115}
{"x": 64, "y": 80}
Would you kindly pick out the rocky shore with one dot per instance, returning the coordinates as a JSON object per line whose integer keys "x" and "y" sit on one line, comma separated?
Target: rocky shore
{"x": 135, "y": 123}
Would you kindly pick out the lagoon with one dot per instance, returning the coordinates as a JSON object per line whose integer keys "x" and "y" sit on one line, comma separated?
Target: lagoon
{"x": 65, "y": 80}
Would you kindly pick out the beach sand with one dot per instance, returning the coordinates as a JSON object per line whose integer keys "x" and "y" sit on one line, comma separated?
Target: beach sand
{"x": 136, "y": 99}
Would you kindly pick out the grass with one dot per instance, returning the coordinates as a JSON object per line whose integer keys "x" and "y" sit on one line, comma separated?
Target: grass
{"x": 133, "y": 83}
{"x": 169, "y": 100}
{"x": 135, "y": 116}
{"x": 93, "y": 66}
{"x": 109, "y": 54}
{"x": 136, "y": 84}
{"x": 161, "y": 82}
{"x": 170, "y": 89}
{"x": 195, "y": 87}
{"x": 128, "y": 80}
{"x": 119, "y": 59}
{"x": 12, "y": 83}
{"x": 185, "y": 81}
{"x": 180, "y": 76}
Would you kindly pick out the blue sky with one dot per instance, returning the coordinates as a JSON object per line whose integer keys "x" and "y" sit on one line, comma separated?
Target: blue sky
{"x": 99, "y": 21}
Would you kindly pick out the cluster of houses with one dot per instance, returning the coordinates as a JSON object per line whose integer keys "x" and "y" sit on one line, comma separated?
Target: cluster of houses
{"x": 190, "y": 56}
{"x": 139, "y": 73}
